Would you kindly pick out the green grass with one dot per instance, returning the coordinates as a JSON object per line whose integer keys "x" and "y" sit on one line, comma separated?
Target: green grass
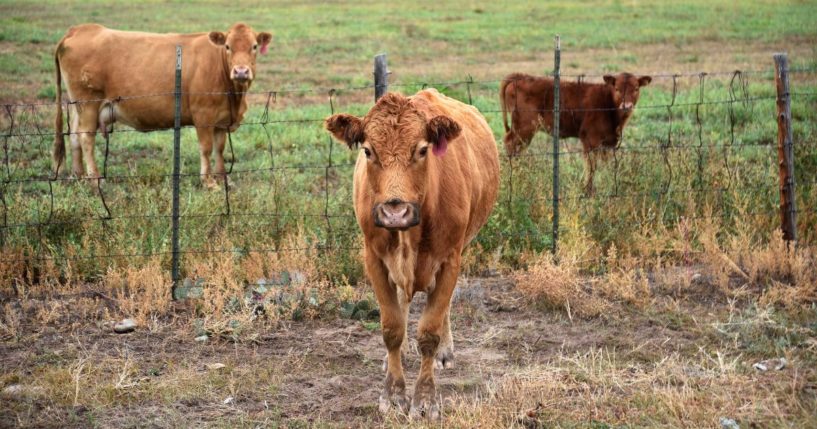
{"x": 319, "y": 42}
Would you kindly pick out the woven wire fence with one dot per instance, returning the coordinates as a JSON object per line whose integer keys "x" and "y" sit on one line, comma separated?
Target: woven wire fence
{"x": 701, "y": 147}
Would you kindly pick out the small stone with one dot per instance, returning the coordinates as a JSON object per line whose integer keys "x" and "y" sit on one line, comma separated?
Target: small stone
{"x": 19, "y": 391}
{"x": 14, "y": 391}
{"x": 214, "y": 366}
{"x": 776, "y": 364}
{"x": 228, "y": 401}
{"x": 695, "y": 278}
{"x": 202, "y": 338}
{"x": 125, "y": 326}
{"x": 729, "y": 423}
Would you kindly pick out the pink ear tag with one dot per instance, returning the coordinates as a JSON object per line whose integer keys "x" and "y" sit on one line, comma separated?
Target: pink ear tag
{"x": 264, "y": 48}
{"x": 440, "y": 147}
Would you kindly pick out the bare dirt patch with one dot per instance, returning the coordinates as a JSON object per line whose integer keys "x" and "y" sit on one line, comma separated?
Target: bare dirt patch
{"x": 75, "y": 372}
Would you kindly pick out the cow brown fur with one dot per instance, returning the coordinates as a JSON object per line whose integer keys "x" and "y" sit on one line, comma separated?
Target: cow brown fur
{"x": 428, "y": 204}
{"x": 129, "y": 77}
{"x": 594, "y": 112}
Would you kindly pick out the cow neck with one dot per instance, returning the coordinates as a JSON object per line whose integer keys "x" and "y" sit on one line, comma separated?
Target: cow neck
{"x": 235, "y": 94}
{"x": 617, "y": 116}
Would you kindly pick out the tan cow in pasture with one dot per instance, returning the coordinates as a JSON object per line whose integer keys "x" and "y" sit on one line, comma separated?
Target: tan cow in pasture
{"x": 425, "y": 181}
{"x": 129, "y": 77}
{"x": 594, "y": 112}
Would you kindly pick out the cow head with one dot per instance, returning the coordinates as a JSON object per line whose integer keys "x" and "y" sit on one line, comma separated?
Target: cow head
{"x": 625, "y": 88}
{"x": 242, "y": 45}
{"x": 398, "y": 141}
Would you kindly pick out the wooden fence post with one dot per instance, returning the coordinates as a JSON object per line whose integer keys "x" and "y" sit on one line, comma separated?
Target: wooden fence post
{"x": 381, "y": 76}
{"x": 785, "y": 149}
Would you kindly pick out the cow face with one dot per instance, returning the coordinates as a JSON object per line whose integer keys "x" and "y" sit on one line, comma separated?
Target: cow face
{"x": 397, "y": 142}
{"x": 626, "y": 89}
{"x": 242, "y": 45}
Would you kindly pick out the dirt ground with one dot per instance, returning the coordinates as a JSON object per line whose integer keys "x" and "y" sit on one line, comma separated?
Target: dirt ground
{"x": 324, "y": 372}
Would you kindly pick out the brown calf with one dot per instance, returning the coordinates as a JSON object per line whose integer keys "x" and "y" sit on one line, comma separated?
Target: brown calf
{"x": 594, "y": 112}
{"x": 425, "y": 182}
{"x": 129, "y": 77}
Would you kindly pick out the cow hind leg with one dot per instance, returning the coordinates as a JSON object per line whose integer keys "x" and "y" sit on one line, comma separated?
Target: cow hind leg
{"x": 523, "y": 128}
{"x": 445, "y": 352}
{"x": 86, "y": 129}
{"x": 430, "y": 337}
{"x": 77, "y": 168}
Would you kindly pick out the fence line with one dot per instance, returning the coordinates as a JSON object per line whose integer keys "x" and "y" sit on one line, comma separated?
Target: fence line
{"x": 23, "y": 116}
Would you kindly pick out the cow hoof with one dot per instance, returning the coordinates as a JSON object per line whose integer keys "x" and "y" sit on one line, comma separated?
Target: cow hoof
{"x": 444, "y": 359}
{"x": 425, "y": 409}
{"x": 393, "y": 395}
{"x": 385, "y": 404}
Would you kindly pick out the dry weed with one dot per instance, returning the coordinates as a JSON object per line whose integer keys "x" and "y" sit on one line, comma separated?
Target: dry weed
{"x": 558, "y": 286}
{"x": 141, "y": 293}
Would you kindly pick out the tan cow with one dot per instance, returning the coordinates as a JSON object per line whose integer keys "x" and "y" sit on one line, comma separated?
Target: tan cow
{"x": 129, "y": 77}
{"x": 417, "y": 209}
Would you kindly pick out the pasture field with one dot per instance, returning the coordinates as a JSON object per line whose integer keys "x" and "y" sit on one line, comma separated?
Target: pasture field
{"x": 669, "y": 283}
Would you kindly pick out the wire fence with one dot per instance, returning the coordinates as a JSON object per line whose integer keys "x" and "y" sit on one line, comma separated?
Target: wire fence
{"x": 701, "y": 147}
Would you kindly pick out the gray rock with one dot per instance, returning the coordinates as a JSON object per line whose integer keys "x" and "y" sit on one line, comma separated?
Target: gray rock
{"x": 125, "y": 326}
{"x": 729, "y": 423}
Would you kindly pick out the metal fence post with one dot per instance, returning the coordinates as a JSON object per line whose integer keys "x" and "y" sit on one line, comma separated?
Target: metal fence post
{"x": 177, "y": 133}
{"x": 785, "y": 149}
{"x": 556, "y": 105}
{"x": 381, "y": 76}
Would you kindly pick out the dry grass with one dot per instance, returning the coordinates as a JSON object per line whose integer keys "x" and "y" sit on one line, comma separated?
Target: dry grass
{"x": 598, "y": 388}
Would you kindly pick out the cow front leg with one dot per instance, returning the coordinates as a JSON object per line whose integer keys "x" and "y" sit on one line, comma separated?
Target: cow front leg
{"x": 206, "y": 137}
{"x": 589, "y": 172}
{"x": 220, "y": 137}
{"x": 433, "y": 332}
{"x": 393, "y": 325}
{"x": 405, "y": 349}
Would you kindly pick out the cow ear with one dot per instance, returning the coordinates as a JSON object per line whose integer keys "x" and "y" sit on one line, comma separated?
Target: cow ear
{"x": 263, "y": 39}
{"x": 609, "y": 79}
{"x": 439, "y": 131}
{"x": 644, "y": 80}
{"x": 346, "y": 128}
{"x": 218, "y": 38}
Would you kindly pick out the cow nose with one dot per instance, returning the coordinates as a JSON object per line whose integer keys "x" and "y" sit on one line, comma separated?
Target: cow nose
{"x": 241, "y": 73}
{"x": 396, "y": 214}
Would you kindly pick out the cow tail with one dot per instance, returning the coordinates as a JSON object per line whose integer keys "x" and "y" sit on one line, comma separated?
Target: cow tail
{"x": 504, "y": 85}
{"x": 59, "y": 138}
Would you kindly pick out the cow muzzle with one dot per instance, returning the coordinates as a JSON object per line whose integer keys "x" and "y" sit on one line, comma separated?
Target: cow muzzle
{"x": 396, "y": 215}
{"x": 242, "y": 74}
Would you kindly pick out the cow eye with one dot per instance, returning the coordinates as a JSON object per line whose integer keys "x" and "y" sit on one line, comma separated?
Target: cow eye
{"x": 423, "y": 151}
{"x": 367, "y": 152}
{"x": 227, "y": 47}
{"x": 254, "y": 47}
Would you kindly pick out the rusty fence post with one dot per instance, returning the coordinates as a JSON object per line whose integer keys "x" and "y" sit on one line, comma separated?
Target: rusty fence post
{"x": 785, "y": 149}
{"x": 177, "y": 133}
{"x": 381, "y": 76}
{"x": 556, "y": 106}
